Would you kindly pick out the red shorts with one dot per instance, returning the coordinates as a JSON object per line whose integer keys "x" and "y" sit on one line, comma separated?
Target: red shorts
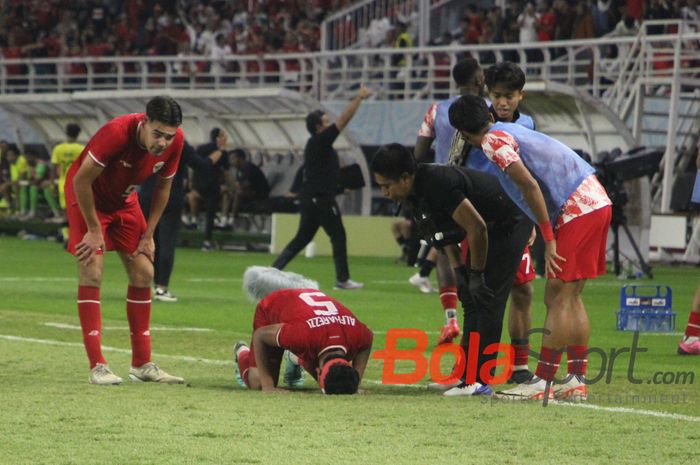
{"x": 122, "y": 230}
{"x": 526, "y": 272}
{"x": 582, "y": 242}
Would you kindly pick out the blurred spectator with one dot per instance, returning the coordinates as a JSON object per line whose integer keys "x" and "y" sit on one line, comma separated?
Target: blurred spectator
{"x": 601, "y": 17}
{"x": 376, "y": 32}
{"x": 39, "y": 178}
{"x": 471, "y": 25}
{"x": 251, "y": 186}
{"x": 496, "y": 21}
{"x": 658, "y": 10}
{"x": 6, "y": 202}
{"x": 527, "y": 21}
{"x": 399, "y": 60}
{"x": 583, "y": 24}
{"x": 207, "y": 183}
{"x": 62, "y": 156}
{"x": 546, "y": 22}
{"x": 219, "y": 53}
{"x": 18, "y": 171}
{"x": 691, "y": 13}
{"x": 566, "y": 18}
{"x": 627, "y": 27}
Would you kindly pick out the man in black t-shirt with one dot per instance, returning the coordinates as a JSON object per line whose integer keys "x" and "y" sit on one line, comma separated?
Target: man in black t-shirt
{"x": 206, "y": 184}
{"x": 251, "y": 186}
{"x": 459, "y": 200}
{"x": 317, "y": 203}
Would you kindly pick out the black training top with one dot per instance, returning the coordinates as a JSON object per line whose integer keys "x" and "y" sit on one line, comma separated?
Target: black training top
{"x": 321, "y": 165}
{"x": 208, "y": 179}
{"x": 254, "y": 180}
{"x": 442, "y": 188}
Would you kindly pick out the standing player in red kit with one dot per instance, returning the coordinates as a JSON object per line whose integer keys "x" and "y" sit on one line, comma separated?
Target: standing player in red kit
{"x": 104, "y": 214}
{"x": 320, "y": 334}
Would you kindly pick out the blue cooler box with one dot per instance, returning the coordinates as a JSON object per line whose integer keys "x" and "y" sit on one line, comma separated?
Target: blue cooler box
{"x": 646, "y": 309}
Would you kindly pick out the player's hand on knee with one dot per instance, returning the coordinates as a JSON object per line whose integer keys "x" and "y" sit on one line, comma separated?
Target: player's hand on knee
{"x": 146, "y": 247}
{"x": 89, "y": 245}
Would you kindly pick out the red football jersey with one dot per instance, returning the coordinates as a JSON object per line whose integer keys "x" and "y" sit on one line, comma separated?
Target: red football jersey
{"x": 312, "y": 322}
{"x": 126, "y": 164}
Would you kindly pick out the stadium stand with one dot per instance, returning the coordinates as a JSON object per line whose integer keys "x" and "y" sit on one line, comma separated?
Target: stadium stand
{"x": 136, "y": 46}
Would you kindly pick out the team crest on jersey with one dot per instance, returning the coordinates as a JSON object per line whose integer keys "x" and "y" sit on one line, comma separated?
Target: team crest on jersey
{"x": 158, "y": 166}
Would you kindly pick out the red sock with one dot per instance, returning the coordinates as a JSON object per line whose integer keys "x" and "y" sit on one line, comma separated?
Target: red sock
{"x": 138, "y": 312}
{"x": 548, "y": 363}
{"x": 448, "y": 297}
{"x": 91, "y": 322}
{"x": 244, "y": 364}
{"x": 693, "y": 328}
{"x": 521, "y": 349}
{"x": 577, "y": 360}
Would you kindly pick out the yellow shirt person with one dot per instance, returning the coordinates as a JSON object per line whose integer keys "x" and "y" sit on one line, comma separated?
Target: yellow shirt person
{"x": 63, "y": 155}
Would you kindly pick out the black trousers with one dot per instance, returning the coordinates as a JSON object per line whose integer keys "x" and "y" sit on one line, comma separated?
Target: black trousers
{"x": 505, "y": 252}
{"x": 165, "y": 238}
{"x": 210, "y": 198}
{"x": 319, "y": 212}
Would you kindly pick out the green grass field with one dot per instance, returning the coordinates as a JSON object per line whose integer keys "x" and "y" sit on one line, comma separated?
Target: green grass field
{"x": 51, "y": 415}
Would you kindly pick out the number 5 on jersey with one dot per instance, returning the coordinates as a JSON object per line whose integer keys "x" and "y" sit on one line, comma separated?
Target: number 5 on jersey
{"x": 330, "y": 308}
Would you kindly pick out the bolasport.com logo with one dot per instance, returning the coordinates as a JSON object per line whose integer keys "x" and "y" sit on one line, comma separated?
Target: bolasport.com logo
{"x": 498, "y": 369}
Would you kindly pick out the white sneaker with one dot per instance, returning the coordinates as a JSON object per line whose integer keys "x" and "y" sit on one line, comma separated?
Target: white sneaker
{"x": 348, "y": 285}
{"x": 443, "y": 387}
{"x": 293, "y": 372}
{"x": 102, "y": 375}
{"x": 164, "y": 295}
{"x": 574, "y": 390}
{"x": 150, "y": 372}
{"x": 423, "y": 284}
{"x": 532, "y": 390}
{"x": 476, "y": 389}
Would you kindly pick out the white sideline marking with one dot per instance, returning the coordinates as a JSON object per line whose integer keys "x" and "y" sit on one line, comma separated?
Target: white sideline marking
{"x": 214, "y": 280}
{"x": 661, "y": 334}
{"x": 126, "y": 328}
{"x": 35, "y": 279}
{"x": 426, "y": 332}
{"x": 186, "y": 358}
{"x": 650, "y": 413}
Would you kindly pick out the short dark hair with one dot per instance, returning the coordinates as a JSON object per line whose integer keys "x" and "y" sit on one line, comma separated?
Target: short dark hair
{"x": 72, "y": 130}
{"x": 341, "y": 379}
{"x": 239, "y": 153}
{"x": 465, "y": 70}
{"x": 507, "y": 74}
{"x": 165, "y": 110}
{"x": 469, "y": 113}
{"x": 313, "y": 119}
{"x": 393, "y": 160}
{"x": 214, "y": 133}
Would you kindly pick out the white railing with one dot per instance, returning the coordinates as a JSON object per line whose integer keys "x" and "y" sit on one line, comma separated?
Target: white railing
{"x": 331, "y": 75}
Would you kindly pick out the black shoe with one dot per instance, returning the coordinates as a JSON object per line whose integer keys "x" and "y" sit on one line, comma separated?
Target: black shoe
{"x": 520, "y": 377}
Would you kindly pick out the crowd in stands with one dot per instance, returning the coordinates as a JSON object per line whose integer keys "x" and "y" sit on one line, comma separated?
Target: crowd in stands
{"x": 62, "y": 28}
{"x": 217, "y": 28}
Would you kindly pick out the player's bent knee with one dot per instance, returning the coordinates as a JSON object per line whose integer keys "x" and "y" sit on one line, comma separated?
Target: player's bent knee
{"x": 522, "y": 296}
{"x": 141, "y": 274}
